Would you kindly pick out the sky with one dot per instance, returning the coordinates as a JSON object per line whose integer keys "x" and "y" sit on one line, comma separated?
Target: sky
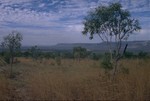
{"x": 49, "y": 22}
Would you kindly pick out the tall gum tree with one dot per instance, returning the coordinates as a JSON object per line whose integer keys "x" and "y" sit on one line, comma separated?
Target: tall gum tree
{"x": 111, "y": 23}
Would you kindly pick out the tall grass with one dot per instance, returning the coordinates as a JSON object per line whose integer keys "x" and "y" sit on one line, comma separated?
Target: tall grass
{"x": 85, "y": 80}
{"x": 77, "y": 80}
{"x": 4, "y": 88}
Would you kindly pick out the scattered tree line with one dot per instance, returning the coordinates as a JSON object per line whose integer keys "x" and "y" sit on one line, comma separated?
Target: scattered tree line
{"x": 11, "y": 49}
{"x": 110, "y": 23}
{"x": 77, "y": 53}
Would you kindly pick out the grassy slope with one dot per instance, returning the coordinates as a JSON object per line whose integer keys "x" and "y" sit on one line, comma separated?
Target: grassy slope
{"x": 76, "y": 80}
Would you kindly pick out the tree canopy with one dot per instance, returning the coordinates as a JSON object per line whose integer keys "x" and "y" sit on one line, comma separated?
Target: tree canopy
{"x": 12, "y": 43}
{"x": 111, "y": 23}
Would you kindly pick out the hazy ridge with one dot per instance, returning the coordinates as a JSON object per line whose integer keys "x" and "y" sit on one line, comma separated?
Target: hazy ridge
{"x": 133, "y": 46}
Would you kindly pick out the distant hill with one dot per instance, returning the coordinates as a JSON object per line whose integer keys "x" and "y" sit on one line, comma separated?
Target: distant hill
{"x": 133, "y": 46}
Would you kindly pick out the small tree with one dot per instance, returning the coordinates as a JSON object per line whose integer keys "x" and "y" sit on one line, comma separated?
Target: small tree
{"x": 111, "y": 23}
{"x": 79, "y": 52}
{"x": 12, "y": 43}
{"x": 35, "y": 52}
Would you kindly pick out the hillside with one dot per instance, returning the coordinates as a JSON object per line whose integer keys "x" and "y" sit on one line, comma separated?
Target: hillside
{"x": 134, "y": 46}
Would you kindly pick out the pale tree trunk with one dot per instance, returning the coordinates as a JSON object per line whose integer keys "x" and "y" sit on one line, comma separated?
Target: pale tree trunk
{"x": 11, "y": 64}
{"x": 115, "y": 67}
{"x": 117, "y": 56}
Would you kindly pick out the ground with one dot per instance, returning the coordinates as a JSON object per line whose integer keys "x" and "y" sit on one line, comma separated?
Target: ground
{"x": 75, "y": 80}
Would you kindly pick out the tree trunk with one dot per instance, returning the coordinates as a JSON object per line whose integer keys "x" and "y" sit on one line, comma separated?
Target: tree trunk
{"x": 124, "y": 51}
{"x": 115, "y": 67}
{"x": 111, "y": 57}
{"x": 11, "y": 65}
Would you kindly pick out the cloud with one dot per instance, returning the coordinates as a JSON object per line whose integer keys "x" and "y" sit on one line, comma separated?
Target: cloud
{"x": 143, "y": 35}
{"x": 10, "y": 2}
{"x": 59, "y": 21}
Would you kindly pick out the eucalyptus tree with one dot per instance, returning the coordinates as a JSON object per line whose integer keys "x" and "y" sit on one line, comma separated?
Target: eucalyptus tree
{"x": 111, "y": 23}
{"x": 12, "y": 44}
{"x": 35, "y": 52}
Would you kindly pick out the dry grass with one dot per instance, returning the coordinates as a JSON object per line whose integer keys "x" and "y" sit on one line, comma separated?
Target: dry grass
{"x": 4, "y": 87}
{"x": 83, "y": 80}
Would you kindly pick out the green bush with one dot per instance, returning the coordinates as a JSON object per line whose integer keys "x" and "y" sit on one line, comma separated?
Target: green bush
{"x": 142, "y": 54}
{"x": 6, "y": 58}
{"x": 106, "y": 62}
{"x": 129, "y": 55}
{"x": 95, "y": 56}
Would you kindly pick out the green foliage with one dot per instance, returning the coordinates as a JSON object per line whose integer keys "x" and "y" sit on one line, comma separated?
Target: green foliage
{"x": 129, "y": 55}
{"x": 50, "y": 55}
{"x": 80, "y": 52}
{"x": 110, "y": 22}
{"x": 6, "y": 57}
{"x": 26, "y": 54}
{"x": 35, "y": 52}
{"x": 106, "y": 62}
{"x": 142, "y": 54}
{"x": 2, "y": 53}
{"x": 95, "y": 56}
{"x": 68, "y": 55}
{"x": 18, "y": 53}
{"x": 11, "y": 43}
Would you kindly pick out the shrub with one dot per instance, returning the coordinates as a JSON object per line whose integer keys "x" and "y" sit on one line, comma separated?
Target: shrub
{"x": 142, "y": 54}
{"x": 106, "y": 62}
{"x": 129, "y": 55}
{"x": 6, "y": 58}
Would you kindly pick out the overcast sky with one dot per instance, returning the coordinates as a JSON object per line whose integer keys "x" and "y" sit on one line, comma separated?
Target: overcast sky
{"x": 48, "y": 22}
